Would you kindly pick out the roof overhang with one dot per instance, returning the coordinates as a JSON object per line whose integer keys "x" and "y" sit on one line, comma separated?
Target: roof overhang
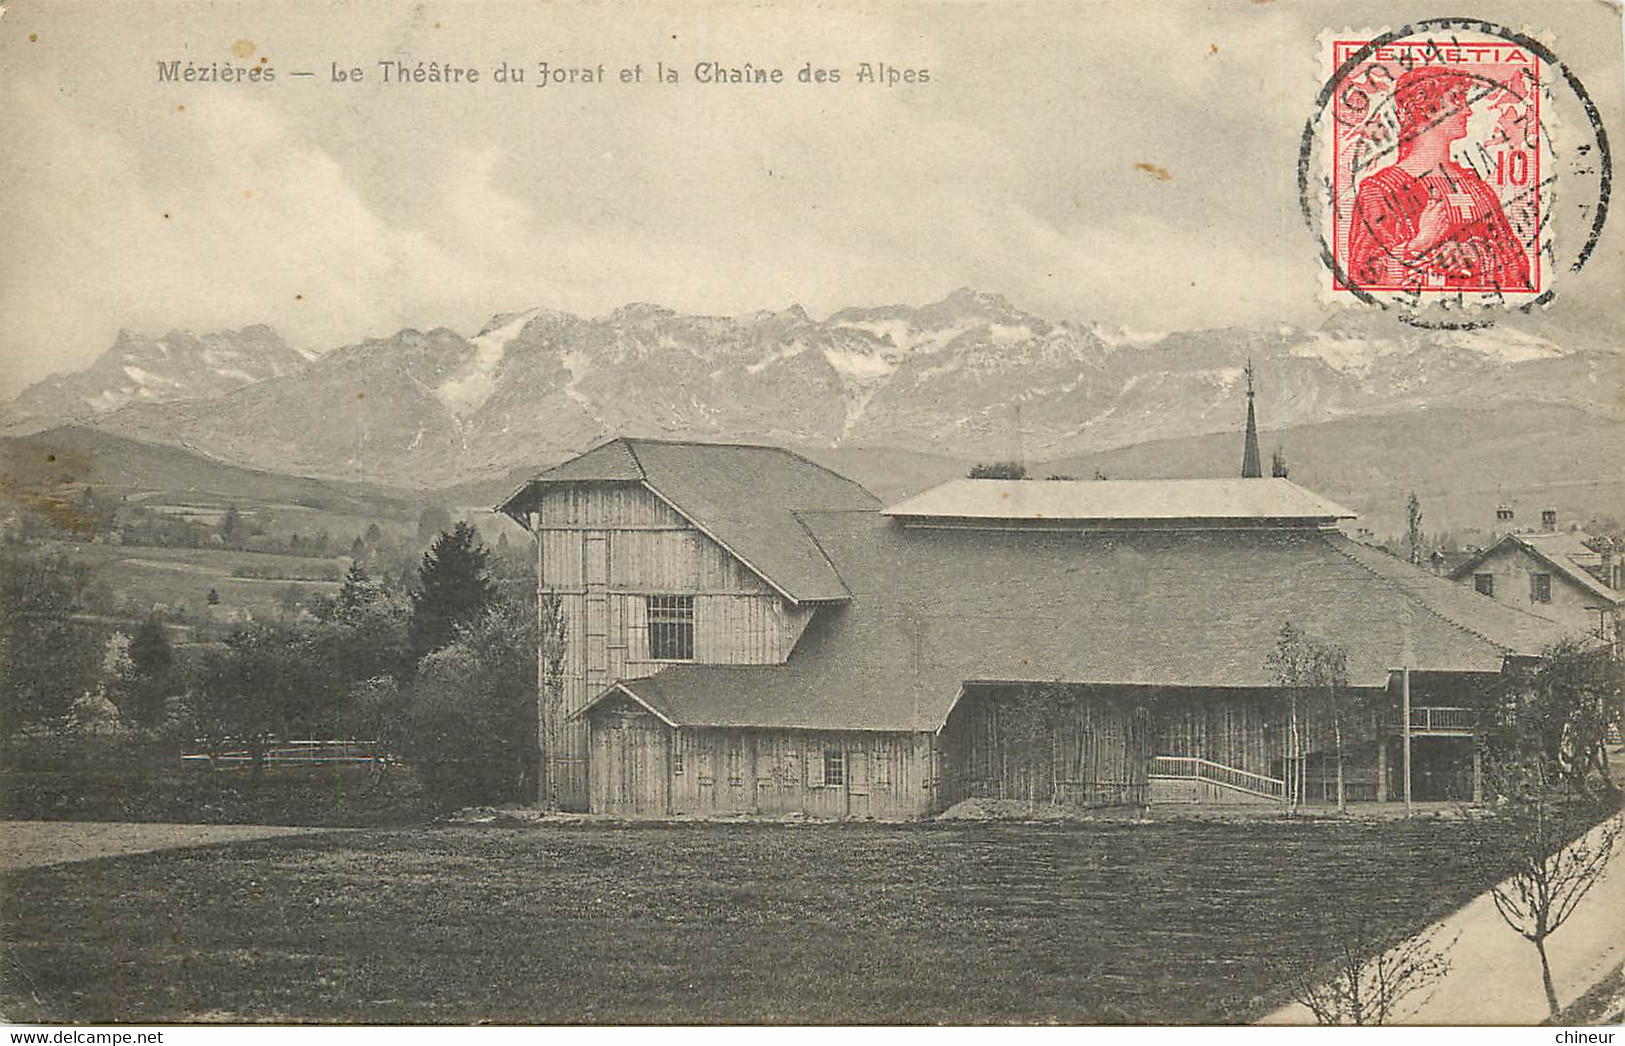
{"x": 621, "y": 689}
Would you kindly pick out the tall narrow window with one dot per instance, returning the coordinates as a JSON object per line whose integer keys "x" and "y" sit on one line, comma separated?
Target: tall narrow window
{"x": 1540, "y": 588}
{"x": 1485, "y": 584}
{"x": 834, "y": 767}
{"x": 671, "y": 628}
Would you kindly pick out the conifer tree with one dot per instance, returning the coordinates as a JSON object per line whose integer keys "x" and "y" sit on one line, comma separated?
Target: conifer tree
{"x": 454, "y": 588}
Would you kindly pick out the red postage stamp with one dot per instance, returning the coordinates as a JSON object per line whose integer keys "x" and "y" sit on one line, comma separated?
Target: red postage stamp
{"x": 1436, "y": 182}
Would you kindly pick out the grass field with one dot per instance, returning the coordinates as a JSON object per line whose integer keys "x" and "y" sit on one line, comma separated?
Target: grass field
{"x": 183, "y": 576}
{"x": 1161, "y": 922}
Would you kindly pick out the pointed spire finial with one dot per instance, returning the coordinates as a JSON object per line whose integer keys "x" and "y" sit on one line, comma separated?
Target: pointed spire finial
{"x": 1252, "y": 466}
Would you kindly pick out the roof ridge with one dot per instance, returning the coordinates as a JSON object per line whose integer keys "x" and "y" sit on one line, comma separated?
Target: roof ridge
{"x": 819, "y": 545}
{"x": 1430, "y": 608}
{"x": 730, "y": 444}
{"x": 633, "y": 453}
{"x": 698, "y": 443}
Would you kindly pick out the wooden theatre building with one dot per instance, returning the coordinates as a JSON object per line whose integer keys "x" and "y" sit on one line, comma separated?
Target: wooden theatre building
{"x": 750, "y": 633}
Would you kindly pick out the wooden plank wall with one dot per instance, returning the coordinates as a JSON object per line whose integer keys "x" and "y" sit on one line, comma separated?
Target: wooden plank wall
{"x": 1237, "y": 730}
{"x": 604, "y": 549}
{"x": 733, "y": 772}
{"x": 1097, "y": 754}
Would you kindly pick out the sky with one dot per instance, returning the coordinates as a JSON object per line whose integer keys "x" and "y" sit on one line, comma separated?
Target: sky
{"x": 1126, "y": 164}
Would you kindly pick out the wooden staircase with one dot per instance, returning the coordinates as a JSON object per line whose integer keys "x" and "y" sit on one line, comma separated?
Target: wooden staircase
{"x": 1192, "y": 779}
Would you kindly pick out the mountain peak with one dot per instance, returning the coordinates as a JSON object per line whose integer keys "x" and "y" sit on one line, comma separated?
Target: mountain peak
{"x": 970, "y": 297}
{"x": 138, "y": 368}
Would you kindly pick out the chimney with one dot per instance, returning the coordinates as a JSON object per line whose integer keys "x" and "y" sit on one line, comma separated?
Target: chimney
{"x": 1437, "y": 561}
{"x": 1548, "y": 519}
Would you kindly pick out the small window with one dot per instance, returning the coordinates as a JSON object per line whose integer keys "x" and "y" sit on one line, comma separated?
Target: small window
{"x": 880, "y": 756}
{"x": 834, "y": 767}
{"x": 677, "y": 753}
{"x": 736, "y": 763}
{"x": 1484, "y": 584}
{"x": 671, "y": 628}
{"x": 1540, "y": 588}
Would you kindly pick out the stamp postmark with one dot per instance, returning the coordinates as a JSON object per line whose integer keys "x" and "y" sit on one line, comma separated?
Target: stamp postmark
{"x": 1450, "y": 168}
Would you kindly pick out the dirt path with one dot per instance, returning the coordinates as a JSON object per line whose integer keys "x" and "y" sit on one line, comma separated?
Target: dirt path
{"x": 28, "y": 844}
{"x": 1495, "y": 974}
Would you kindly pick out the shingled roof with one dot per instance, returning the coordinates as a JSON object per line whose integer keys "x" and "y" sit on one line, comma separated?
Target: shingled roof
{"x": 743, "y": 497}
{"x": 933, "y": 610}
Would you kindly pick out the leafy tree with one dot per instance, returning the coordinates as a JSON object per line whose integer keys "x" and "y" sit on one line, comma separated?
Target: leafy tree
{"x": 231, "y": 524}
{"x": 114, "y": 683}
{"x": 150, "y": 652}
{"x": 1548, "y": 765}
{"x": 153, "y": 663}
{"x": 1061, "y": 477}
{"x": 1555, "y": 720}
{"x": 454, "y": 588}
{"x": 376, "y": 710}
{"x": 999, "y": 470}
{"x": 471, "y": 727}
{"x": 1278, "y": 466}
{"x": 358, "y": 589}
{"x": 263, "y": 683}
{"x": 94, "y": 714}
{"x": 366, "y": 635}
{"x": 46, "y": 660}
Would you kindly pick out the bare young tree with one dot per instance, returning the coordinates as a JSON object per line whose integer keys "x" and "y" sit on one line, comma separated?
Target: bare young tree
{"x": 1553, "y": 873}
{"x": 1312, "y": 671}
{"x": 1367, "y": 982}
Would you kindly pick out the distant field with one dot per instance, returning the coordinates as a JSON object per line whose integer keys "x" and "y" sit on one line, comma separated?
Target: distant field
{"x": 174, "y": 576}
{"x": 1176, "y": 922}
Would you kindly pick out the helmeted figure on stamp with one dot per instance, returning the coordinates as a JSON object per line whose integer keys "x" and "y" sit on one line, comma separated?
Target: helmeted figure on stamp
{"x": 1425, "y": 221}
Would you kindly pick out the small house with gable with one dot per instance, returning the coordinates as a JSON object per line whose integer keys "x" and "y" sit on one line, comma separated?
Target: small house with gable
{"x": 1569, "y": 577}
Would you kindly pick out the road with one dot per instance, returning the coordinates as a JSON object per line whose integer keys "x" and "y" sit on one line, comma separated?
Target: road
{"x": 29, "y": 844}
{"x": 1494, "y": 976}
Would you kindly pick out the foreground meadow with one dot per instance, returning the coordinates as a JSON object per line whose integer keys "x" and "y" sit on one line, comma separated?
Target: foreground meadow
{"x": 1153, "y": 923}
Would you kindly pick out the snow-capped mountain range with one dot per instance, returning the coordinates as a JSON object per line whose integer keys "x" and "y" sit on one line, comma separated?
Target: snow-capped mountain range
{"x": 969, "y": 376}
{"x": 138, "y": 369}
